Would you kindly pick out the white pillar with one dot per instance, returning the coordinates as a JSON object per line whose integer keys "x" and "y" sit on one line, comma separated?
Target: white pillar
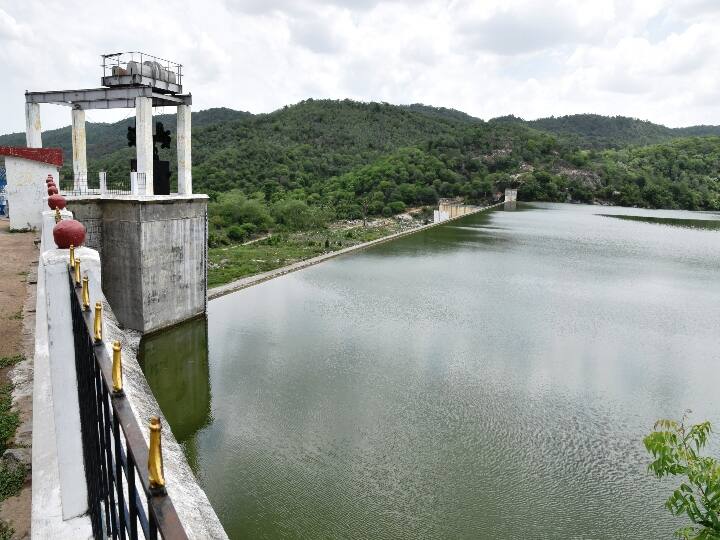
{"x": 79, "y": 149}
{"x": 184, "y": 150}
{"x": 133, "y": 183}
{"x": 144, "y": 141}
{"x": 102, "y": 175}
{"x": 33, "y": 128}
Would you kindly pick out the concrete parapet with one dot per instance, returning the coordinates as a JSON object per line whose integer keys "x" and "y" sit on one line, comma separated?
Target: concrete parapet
{"x": 59, "y": 489}
{"x": 59, "y": 493}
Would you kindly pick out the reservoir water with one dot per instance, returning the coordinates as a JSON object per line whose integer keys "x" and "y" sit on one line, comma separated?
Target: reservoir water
{"x": 489, "y": 378}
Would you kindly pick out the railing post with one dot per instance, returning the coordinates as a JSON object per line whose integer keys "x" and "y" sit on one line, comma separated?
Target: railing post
{"x": 103, "y": 182}
{"x": 117, "y": 370}
{"x": 156, "y": 474}
{"x": 97, "y": 325}
{"x": 133, "y": 182}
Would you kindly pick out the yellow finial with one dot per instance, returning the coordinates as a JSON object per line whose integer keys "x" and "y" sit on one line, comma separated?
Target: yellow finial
{"x": 72, "y": 256}
{"x": 117, "y": 369}
{"x": 98, "y": 321}
{"x": 155, "y": 461}
{"x": 58, "y": 217}
{"x": 77, "y": 272}
{"x": 85, "y": 294}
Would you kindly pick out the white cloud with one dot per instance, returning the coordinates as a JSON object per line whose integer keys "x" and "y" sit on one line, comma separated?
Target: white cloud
{"x": 653, "y": 59}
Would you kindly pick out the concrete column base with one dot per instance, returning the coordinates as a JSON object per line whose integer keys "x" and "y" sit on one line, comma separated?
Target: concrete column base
{"x": 153, "y": 253}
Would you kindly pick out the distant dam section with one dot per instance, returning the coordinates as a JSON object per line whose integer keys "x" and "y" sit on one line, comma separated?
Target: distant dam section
{"x": 453, "y": 208}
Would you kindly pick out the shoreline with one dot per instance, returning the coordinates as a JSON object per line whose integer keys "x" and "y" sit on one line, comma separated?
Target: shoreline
{"x": 249, "y": 281}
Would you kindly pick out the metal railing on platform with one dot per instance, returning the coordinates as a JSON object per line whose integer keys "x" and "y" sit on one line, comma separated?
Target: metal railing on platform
{"x": 101, "y": 184}
{"x": 125, "y": 478}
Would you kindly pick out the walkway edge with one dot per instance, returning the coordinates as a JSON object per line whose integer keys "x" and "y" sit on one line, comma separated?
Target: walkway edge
{"x": 249, "y": 281}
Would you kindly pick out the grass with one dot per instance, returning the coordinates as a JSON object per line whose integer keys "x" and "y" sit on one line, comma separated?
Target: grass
{"x": 234, "y": 262}
{"x": 16, "y": 316}
{"x": 7, "y": 361}
{"x": 6, "y": 531}
{"x": 12, "y": 477}
{"x": 9, "y": 419}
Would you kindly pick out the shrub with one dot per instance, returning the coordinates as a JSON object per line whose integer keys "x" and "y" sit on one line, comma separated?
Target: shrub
{"x": 676, "y": 452}
{"x": 397, "y": 207}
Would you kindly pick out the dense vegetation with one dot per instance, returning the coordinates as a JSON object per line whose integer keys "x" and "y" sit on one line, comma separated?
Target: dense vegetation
{"x": 600, "y": 132}
{"x": 304, "y": 165}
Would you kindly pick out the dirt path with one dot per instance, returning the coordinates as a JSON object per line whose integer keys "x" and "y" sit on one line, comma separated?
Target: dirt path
{"x": 17, "y": 307}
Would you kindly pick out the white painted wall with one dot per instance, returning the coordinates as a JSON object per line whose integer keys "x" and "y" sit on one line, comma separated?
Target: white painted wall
{"x": 47, "y": 512}
{"x": 27, "y": 191}
{"x": 59, "y": 492}
{"x": 63, "y": 378}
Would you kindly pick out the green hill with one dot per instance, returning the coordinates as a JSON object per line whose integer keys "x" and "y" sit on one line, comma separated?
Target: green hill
{"x": 320, "y": 160}
{"x": 600, "y": 132}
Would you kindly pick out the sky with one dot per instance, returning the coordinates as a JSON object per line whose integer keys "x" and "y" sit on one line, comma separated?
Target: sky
{"x": 656, "y": 60}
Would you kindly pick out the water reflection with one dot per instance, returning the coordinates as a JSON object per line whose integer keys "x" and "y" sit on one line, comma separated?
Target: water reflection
{"x": 673, "y": 222}
{"x": 489, "y": 378}
{"x": 175, "y": 363}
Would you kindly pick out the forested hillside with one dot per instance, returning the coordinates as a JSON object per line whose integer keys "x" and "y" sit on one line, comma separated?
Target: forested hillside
{"x": 316, "y": 161}
{"x": 602, "y": 132}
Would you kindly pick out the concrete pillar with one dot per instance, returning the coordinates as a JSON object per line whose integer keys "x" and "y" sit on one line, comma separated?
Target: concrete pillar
{"x": 144, "y": 141}
{"x": 79, "y": 149}
{"x": 134, "y": 183}
{"x": 161, "y": 278}
{"x": 103, "y": 182}
{"x": 184, "y": 150}
{"x": 33, "y": 128}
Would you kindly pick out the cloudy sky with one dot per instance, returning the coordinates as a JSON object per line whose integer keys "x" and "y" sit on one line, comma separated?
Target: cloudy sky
{"x": 652, "y": 59}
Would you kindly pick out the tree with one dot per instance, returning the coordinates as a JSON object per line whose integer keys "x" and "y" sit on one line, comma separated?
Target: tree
{"x": 676, "y": 452}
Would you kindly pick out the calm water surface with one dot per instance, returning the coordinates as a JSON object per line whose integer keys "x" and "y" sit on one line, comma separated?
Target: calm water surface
{"x": 490, "y": 378}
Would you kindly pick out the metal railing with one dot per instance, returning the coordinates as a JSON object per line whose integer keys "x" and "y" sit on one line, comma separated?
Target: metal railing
{"x": 121, "y": 60}
{"x": 101, "y": 184}
{"x": 125, "y": 478}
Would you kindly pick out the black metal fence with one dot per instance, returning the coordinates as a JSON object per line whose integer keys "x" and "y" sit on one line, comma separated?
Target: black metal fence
{"x": 120, "y": 499}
